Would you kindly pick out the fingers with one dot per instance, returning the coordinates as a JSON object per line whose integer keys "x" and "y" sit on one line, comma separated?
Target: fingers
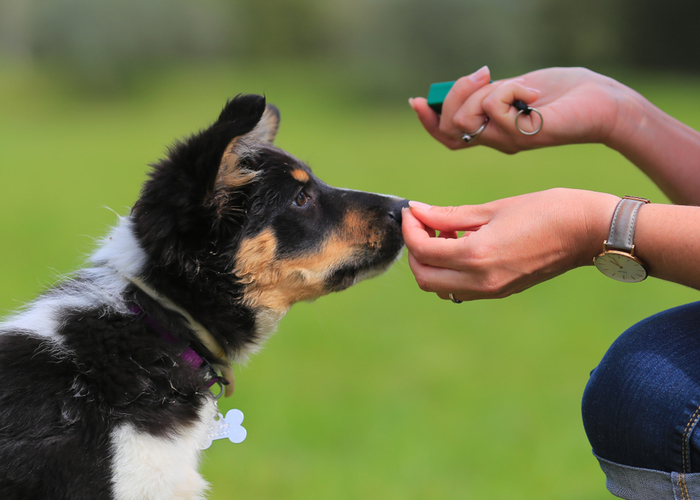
{"x": 435, "y": 279}
{"x": 414, "y": 227}
{"x": 439, "y": 126}
{"x": 498, "y": 105}
{"x": 431, "y": 122}
{"x": 421, "y": 223}
{"x": 422, "y": 244}
{"x": 451, "y": 219}
{"x": 461, "y": 95}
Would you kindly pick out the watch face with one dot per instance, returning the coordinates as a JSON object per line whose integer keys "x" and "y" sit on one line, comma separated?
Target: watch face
{"x": 620, "y": 266}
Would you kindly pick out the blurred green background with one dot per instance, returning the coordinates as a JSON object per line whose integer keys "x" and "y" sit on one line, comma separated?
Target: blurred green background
{"x": 383, "y": 391}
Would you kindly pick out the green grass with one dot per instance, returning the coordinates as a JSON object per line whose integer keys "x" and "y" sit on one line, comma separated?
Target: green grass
{"x": 382, "y": 392}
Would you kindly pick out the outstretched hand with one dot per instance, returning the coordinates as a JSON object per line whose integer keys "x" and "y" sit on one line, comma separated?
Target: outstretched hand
{"x": 508, "y": 245}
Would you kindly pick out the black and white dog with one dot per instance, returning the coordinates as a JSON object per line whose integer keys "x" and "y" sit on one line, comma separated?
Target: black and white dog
{"x": 104, "y": 378}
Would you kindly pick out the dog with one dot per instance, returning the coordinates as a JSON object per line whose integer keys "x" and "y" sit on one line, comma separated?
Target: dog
{"x": 105, "y": 377}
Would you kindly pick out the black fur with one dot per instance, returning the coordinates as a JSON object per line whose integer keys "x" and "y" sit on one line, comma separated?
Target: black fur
{"x": 67, "y": 388}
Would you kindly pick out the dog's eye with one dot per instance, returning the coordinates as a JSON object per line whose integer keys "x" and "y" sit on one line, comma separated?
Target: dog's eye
{"x": 301, "y": 199}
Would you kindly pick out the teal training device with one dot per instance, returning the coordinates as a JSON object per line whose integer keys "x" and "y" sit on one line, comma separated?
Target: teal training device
{"x": 436, "y": 95}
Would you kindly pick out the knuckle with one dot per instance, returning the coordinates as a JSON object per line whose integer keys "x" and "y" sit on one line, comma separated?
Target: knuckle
{"x": 418, "y": 253}
{"x": 489, "y": 105}
{"x": 493, "y": 288}
{"x": 444, "y": 127}
{"x": 462, "y": 122}
{"x": 423, "y": 283}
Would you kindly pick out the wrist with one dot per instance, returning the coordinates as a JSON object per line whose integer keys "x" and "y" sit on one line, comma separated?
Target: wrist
{"x": 633, "y": 116}
{"x": 596, "y": 211}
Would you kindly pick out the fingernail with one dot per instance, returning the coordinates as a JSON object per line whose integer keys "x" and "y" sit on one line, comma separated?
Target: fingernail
{"x": 533, "y": 90}
{"x": 480, "y": 75}
{"x": 418, "y": 204}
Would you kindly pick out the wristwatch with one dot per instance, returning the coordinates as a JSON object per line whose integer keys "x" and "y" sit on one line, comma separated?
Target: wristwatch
{"x": 618, "y": 260}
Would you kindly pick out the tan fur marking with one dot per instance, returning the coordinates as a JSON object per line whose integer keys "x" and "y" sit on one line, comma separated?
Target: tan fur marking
{"x": 231, "y": 174}
{"x": 356, "y": 227}
{"x": 277, "y": 284}
{"x": 300, "y": 175}
{"x": 266, "y": 130}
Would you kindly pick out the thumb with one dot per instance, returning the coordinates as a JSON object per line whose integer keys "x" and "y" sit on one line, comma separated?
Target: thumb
{"x": 461, "y": 218}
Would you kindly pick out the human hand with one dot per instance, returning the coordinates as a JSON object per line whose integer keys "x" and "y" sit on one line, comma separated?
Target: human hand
{"x": 509, "y": 245}
{"x": 577, "y": 105}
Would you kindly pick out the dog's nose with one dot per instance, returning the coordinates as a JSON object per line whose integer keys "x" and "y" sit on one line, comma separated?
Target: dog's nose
{"x": 395, "y": 211}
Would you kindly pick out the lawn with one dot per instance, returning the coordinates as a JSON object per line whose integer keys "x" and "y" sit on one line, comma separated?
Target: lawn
{"x": 382, "y": 392}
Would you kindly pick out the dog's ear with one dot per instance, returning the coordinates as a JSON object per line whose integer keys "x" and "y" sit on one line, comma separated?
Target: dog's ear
{"x": 231, "y": 172}
{"x": 181, "y": 201}
{"x": 266, "y": 127}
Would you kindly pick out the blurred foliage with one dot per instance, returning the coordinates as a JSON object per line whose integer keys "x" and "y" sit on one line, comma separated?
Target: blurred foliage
{"x": 381, "y": 47}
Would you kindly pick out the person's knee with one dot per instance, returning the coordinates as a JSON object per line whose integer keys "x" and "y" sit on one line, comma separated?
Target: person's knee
{"x": 637, "y": 400}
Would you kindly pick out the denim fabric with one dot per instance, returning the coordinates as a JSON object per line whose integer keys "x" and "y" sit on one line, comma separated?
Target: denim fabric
{"x": 633, "y": 483}
{"x": 642, "y": 405}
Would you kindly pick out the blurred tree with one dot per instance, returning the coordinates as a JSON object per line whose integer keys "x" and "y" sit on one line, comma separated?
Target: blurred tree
{"x": 15, "y": 39}
{"x": 661, "y": 35}
{"x": 102, "y": 43}
{"x": 284, "y": 28}
{"x": 581, "y": 33}
{"x": 380, "y": 47}
{"x": 400, "y": 46}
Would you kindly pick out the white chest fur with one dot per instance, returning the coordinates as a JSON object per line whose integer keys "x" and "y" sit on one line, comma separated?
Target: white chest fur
{"x": 160, "y": 468}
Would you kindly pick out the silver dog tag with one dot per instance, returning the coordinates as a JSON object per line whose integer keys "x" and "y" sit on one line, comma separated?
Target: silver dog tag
{"x": 226, "y": 427}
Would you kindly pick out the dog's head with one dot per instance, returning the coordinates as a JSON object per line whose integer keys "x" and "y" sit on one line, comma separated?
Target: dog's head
{"x": 234, "y": 227}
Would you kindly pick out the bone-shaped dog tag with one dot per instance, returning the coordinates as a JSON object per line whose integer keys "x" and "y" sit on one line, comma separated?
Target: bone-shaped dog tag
{"x": 226, "y": 427}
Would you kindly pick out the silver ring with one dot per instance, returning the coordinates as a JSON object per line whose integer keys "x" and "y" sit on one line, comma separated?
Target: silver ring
{"x": 470, "y": 137}
{"x": 456, "y": 301}
{"x": 529, "y": 109}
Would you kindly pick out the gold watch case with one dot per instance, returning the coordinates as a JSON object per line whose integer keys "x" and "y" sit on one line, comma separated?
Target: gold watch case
{"x": 621, "y": 266}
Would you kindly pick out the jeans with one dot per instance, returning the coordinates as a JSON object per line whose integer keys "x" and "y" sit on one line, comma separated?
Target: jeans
{"x": 641, "y": 408}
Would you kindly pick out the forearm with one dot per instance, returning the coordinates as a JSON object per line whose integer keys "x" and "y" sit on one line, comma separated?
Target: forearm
{"x": 665, "y": 149}
{"x": 667, "y": 239}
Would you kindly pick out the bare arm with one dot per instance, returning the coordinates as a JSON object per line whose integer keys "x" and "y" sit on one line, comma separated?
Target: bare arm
{"x": 665, "y": 149}
{"x": 512, "y": 244}
{"x": 667, "y": 239}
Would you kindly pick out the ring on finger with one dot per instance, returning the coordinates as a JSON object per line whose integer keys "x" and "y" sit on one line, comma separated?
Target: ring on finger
{"x": 470, "y": 137}
{"x": 452, "y": 298}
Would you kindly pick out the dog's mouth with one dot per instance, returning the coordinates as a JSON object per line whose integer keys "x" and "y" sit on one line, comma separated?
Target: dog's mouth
{"x": 349, "y": 275}
{"x": 373, "y": 259}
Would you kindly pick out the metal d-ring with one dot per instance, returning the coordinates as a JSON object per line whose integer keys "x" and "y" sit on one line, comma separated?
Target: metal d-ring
{"x": 527, "y": 111}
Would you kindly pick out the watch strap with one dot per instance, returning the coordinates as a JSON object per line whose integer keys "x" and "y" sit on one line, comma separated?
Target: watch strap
{"x": 624, "y": 221}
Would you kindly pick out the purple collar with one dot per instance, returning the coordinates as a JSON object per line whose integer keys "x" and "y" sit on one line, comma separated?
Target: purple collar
{"x": 189, "y": 356}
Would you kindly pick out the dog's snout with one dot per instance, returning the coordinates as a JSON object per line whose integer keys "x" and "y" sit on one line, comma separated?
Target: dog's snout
{"x": 395, "y": 211}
